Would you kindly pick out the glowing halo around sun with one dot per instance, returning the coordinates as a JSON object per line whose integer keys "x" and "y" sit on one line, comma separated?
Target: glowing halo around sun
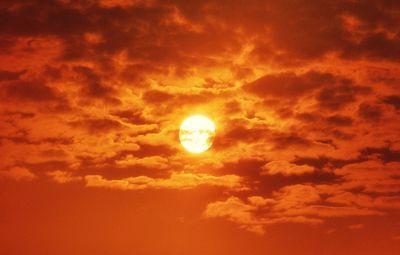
{"x": 197, "y": 133}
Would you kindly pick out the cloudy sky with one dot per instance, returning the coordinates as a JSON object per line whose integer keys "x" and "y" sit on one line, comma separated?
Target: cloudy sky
{"x": 305, "y": 96}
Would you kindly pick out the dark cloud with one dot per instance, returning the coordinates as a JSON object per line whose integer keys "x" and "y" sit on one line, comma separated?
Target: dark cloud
{"x": 22, "y": 115}
{"x": 238, "y": 133}
{"x": 393, "y": 100}
{"x": 97, "y": 125}
{"x": 386, "y": 154}
{"x": 157, "y": 97}
{"x": 285, "y": 141}
{"x": 371, "y": 112}
{"x": 341, "y": 135}
{"x": 322, "y": 162}
{"x": 147, "y": 30}
{"x": 42, "y": 18}
{"x": 29, "y": 91}
{"x": 337, "y": 97}
{"x": 233, "y": 107}
{"x": 92, "y": 83}
{"x": 339, "y": 120}
{"x": 9, "y": 76}
{"x": 375, "y": 46}
{"x": 308, "y": 117}
{"x": 165, "y": 101}
{"x": 131, "y": 116}
{"x": 146, "y": 150}
{"x": 244, "y": 167}
{"x": 289, "y": 85}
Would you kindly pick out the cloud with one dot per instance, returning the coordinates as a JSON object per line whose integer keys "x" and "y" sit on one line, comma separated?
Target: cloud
{"x": 97, "y": 125}
{"x": 289, "y": 85}
{"x": 337, "y": 97}
{"x": 18, "y": 174}
{"x": 333, "y": 211}
{"x": 246, "y": 215}
{"x": 63, "y": 176}
{"x": 376, "y": 45}
{"x": 177, "y": 180}
{"x": 306, "y": 107}
{"x": 294, "y": 204}
{"x": 385, "y": 154}
{"x": 92, "y": 83}
{"x": 370, "y": 112}
{"x": 393, "y": 100}
{"x": 131, "y": 116}
{"x": 340, "y": 120}
{"x": 285, "y": 168}
{"x": 157, "y": 97}
{"x": 294, "y": 219}
{"x": 120, "y": 3}
{"x": 237, "y": 211}
{"x": 356, "y": 226}
{"x": 371, "y": 176}
{"x": 295, "y": 196}
{"x": 156, "y": 162}
{"x": 259, "y": 201}
{"x": 10, "y": 75}
{"x": 350, "y": 199}
{"x": 291, "y": 140}
{"x": 36, "y": 91}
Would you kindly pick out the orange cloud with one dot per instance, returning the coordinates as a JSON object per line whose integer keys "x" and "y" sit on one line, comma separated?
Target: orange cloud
{"x": 151, "y": 162}
{"x": 285, "y": 168}
{"x": 372, "y": 176}
{"x": 63, "y": 176}
{"x": 245, "y": 215}
{"x": 18, "y": 174}
{"x": 177, "y": 180}
{"x": 291, "y": 204}
{"x": 356, "y": 226}
{"x": 237, "y": 211}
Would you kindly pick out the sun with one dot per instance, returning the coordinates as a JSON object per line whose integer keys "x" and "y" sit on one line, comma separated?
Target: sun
{"x": 197, "y": 133}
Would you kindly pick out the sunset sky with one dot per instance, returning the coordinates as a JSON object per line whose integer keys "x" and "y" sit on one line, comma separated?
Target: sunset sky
{"x": 304, "y": 95}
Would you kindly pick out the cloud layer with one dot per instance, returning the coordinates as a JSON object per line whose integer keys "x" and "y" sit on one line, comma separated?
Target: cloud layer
{"x": 305, "y": 98}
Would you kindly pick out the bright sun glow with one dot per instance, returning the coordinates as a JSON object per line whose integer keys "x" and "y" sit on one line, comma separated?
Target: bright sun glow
{"x": 197, "y": 133}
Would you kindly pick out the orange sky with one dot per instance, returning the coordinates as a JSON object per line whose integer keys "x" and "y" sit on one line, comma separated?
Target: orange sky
{"x": 305, "y": 96}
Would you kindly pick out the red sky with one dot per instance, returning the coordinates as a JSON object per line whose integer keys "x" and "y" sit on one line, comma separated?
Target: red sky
{"x": 304, "y": 94}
